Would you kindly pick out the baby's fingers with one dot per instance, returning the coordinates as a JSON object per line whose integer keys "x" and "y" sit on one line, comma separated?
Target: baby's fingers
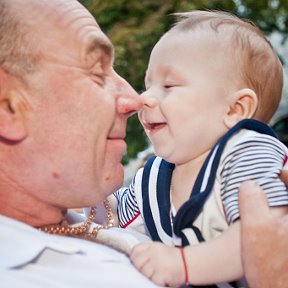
{"x": 147, "y": 269}
{"x": 143, "y": 262}
{"x": 139, "y": 257}
{"x": 138, "y": 250}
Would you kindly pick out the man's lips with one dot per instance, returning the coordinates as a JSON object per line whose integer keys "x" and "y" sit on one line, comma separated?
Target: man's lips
{"x": 117, "y": 144}
{"x": 117, "y": 136}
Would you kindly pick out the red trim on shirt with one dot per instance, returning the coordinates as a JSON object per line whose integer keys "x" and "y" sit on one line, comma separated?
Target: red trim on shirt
{"x": 134, "y": 218}
{"x": 285, "y": 160}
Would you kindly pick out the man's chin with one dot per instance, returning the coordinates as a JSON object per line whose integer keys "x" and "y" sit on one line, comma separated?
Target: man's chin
{"x": 114, "y": 181}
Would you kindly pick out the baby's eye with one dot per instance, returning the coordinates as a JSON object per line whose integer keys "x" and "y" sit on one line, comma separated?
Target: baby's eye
{"x": 172, "y": 85}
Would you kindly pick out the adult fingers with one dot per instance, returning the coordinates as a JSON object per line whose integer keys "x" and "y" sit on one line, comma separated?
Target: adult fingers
{"x": 253, "y": 203}
{"x": 284, "y": 176}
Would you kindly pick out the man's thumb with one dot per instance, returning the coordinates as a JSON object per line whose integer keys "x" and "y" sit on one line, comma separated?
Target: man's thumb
{"x": 253, "y": 203}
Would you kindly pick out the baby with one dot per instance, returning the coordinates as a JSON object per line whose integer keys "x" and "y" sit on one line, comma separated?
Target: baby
{"x": 207, "y": 78}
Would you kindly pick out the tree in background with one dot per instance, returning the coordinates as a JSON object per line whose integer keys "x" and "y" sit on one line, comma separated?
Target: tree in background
{"x": 135, "y": 26}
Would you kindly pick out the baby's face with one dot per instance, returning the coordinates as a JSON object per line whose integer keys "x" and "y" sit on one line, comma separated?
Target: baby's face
{"x": 188, "y": 81}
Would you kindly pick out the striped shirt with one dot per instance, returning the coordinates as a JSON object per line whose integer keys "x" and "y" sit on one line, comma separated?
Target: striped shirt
{"x": 255, "y": 157}
{"x": 245, "y": 155}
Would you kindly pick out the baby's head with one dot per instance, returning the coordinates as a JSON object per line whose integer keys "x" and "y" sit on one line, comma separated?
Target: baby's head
{"x": 252, "y": 59}
{"x": 207, "y": 73}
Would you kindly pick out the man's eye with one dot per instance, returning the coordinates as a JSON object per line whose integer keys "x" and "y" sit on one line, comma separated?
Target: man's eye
{"x": 99, "y": 79}
{"x": 98, "y": 74}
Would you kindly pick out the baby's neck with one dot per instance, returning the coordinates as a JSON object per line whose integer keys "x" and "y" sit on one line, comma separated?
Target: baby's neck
{"x": 183, "y": 180}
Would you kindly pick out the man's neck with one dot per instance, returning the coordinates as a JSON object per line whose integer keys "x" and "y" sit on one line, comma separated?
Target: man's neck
{"x": 23, "y": 207}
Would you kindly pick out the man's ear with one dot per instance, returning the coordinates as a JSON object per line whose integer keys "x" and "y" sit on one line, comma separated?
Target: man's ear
{"x": 244, "y": 104}
{"x": 12, "y": 124}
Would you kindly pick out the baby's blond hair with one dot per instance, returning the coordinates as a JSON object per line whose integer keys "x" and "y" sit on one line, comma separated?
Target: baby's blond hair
{"x": 260, "y": 67}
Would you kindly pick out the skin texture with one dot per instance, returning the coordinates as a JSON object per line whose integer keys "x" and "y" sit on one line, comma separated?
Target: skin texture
{"x": 264, "y": 239}
{"x": 169, "y": 272}
{"x": 63, "y": 139}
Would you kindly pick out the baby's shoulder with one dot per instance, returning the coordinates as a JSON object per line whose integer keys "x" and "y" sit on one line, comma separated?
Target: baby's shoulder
{"x": 248, "y": 139}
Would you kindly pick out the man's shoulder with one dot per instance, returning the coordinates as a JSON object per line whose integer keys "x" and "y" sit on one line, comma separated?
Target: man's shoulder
{"x": 29, "y": 256}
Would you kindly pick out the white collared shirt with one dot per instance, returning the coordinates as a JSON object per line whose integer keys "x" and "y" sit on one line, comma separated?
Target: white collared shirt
{"x": 31, "y": 258}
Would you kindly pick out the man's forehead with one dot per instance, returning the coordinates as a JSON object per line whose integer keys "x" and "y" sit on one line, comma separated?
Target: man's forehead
{"x": 60, "y": 12}
{"x": 69, "y": 15}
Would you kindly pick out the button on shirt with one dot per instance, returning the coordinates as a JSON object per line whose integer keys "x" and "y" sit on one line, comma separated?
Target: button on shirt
{"x": 31, "y": 258}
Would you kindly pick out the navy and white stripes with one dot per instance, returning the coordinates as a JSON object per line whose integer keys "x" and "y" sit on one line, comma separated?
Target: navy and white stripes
{"x": 240, "y": 155}
{"x": 127, "y": 205}
{"x": 255, "y": 157}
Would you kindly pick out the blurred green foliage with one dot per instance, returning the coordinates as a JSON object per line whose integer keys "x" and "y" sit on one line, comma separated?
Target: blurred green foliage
{"x": 135, "y": 26}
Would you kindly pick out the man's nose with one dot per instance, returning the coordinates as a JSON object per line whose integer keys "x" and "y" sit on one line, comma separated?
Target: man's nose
{"x": 128, "y": 102}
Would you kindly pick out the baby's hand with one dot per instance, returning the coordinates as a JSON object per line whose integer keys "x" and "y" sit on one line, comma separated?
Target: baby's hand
{"x": 160, "y": 263}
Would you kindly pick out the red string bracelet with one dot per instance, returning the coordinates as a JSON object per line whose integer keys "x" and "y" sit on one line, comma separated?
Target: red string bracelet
{"x": 185, "y": 265}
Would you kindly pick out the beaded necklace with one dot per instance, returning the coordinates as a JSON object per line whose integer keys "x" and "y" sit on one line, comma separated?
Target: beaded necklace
{"x": 83, "y": 230}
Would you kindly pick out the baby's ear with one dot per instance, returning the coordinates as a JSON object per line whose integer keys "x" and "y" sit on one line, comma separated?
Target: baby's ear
{"x": 243, "y": 105}
{"x": 12, "y": 124}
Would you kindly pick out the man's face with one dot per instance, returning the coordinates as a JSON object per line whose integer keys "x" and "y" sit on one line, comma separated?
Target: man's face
{"x": 79, "y": 110}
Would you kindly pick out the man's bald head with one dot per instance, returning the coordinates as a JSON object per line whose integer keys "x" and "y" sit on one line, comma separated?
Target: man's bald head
{"x": 24, "y": 25}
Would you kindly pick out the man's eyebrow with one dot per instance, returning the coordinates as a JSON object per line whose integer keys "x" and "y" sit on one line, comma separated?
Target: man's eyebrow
{"x": 100, "y": 42}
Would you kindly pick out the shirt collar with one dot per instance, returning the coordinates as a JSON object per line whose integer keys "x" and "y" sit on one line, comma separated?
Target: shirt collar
{"x": 21, "y": 243}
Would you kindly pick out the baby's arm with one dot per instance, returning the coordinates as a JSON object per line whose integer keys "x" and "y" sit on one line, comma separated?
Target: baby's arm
{"x": 128, "y": 210}
{"x": 210, "y": 262}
